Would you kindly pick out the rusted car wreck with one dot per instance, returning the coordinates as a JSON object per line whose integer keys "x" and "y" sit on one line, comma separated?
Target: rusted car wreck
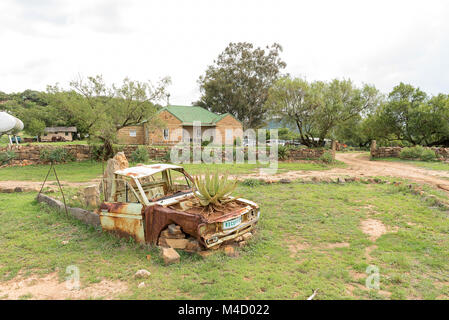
{"x": 144, "y": 200}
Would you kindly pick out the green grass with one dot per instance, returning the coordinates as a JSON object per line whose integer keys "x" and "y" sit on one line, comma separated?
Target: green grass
{"x": 431, "y": 165}
{"x": 412, "y": 261}
{"x": 71, "y": 172}
{"x": 87, "y": 170}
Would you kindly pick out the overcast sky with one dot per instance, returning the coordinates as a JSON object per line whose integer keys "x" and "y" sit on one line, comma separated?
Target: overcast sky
{"x": 377, "y": 42}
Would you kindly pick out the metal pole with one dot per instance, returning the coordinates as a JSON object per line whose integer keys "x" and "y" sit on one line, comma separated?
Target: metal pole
{"x": 51, "y": 166}
{"x": 60, "y": 188}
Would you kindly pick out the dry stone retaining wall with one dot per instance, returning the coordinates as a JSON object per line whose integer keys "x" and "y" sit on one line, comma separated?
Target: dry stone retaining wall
{"x": 394, "y": 152}
{"x": 30, "y": 154}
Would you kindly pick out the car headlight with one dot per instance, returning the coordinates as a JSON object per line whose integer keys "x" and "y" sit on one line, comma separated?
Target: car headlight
{"x": 253, "y": 214}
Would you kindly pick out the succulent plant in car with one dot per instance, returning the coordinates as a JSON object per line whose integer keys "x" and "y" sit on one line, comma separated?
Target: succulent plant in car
{"x": 213, "y": 191}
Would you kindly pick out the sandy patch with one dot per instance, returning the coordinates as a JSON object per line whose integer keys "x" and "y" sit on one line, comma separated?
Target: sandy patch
{"x": 295, "y": 248}
{"x": 351, "y": 287}
{"x": 336, "y": 245}
{"x": 368, "y": 251}
{"x": 50, "y": 288}
{"x": 357, "y": 275}
{"x": 373, "y": 228}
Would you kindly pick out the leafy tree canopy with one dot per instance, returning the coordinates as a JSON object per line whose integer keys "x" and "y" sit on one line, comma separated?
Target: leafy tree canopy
{"x": 317, "y": 108}
{"x": 239, "y": 80}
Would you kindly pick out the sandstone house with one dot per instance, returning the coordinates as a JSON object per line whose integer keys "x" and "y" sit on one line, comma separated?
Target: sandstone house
{"x": 58, "y": 134}
{"x": 177, "y": 126}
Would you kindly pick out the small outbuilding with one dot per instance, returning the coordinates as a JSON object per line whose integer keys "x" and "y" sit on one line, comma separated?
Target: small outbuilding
{"x": 53, "y": 134}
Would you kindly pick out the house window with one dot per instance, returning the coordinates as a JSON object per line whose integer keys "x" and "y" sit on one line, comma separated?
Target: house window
{"x": 166, "y": 134}
{"x": 132, "y": 133}
{"x": 66, "y": 133}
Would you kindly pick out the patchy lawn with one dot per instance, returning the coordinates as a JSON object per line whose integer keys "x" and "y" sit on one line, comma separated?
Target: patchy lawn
{"x": 310, "y": 236}
{"x": 87, "y": 170}
{"x": 431, "y": 165}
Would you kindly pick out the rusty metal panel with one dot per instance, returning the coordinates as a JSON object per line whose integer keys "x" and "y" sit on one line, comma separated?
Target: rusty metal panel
{"x": 124, "y": 219}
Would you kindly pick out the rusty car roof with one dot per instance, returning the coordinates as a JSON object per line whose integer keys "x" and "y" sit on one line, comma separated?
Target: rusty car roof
{"x": 145, "y": 170}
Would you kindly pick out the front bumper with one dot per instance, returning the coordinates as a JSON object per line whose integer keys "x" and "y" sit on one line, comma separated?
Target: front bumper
{"x": 223, "y": 236}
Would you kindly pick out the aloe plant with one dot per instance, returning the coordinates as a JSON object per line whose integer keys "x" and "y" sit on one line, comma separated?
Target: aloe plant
{"x": 213, "y": 191}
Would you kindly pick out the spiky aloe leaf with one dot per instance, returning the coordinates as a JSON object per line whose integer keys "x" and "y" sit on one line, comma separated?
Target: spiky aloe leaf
{"x": 213, "y": 190}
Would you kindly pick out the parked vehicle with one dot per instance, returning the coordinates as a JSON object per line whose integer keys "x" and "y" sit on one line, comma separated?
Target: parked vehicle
{"x": 144, "y": 200}
{"x": 276, "y": 141}
{"x": 249, "y": 142}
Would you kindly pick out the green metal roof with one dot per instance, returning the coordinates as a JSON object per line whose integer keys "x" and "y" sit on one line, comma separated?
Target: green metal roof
{"x": 188, "y": 114}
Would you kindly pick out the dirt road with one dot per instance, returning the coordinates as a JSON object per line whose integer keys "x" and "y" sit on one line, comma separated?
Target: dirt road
{"x": 358, "y": 165}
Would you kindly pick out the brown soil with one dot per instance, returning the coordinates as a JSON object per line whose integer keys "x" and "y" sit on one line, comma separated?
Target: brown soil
{"x": 36, "y": 185}
{"x": 49, "y": 287}
{"x": 212, "y": 212}
{"x": 360, "y": 165}
{"x": 373, "y": 228}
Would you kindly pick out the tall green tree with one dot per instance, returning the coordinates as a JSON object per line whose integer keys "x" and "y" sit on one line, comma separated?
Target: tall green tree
{"x": 317, "y": 108}
{"x": 35, "y": 127}
{"x": 101, "y": 110}
{"x": 411, "y": 116}
{"x": 239, "y": 80}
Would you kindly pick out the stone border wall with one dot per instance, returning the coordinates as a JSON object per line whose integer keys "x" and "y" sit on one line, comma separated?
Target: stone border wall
{"x": 85, "y": 216}
{"x": 30, "y": 154}
{"x": 394, "y": 152}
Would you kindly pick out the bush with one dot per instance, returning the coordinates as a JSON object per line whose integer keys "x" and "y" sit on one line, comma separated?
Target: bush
{"x": 418, "y": 152}
{"x": 251, "y": 183}
{"x": 327, "y": 157}
{"x": 6, "y": 157}
{"x": 56, "y": 155}
{"x": 283, "y": 152}
{"x": 140, "y": 155}
{"x": 428, "y": 155}
{"x": 97, "y": 152}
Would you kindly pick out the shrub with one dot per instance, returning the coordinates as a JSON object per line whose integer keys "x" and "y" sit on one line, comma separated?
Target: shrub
{"x": 97, "y": 152}
{"x": 6, "y": 157}
{"x": 418, "y": 152}
{"x": 56, "y": 155}
{"x": 251, "y": 183}
{"x": 327, "y": 157}
{"x": 283, "y": 152}
{"x": 166, "y": 157}
{"x": 140, "y": 155}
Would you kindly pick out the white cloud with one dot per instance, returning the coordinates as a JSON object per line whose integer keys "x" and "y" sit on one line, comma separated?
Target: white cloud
{"x": 378, "y": 42}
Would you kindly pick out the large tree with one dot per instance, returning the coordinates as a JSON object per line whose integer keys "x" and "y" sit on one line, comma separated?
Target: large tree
{"x": 239, "y": 80}
{"x": 412, "y": 117}
{"x": 101, "y": 110}
{"x": 317, "y": 108}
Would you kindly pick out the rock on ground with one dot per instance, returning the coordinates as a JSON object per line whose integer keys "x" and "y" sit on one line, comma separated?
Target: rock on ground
{"x": 119, "y": 162}
{"x": 170, "y": 256}
{"x": 142, "y": 274}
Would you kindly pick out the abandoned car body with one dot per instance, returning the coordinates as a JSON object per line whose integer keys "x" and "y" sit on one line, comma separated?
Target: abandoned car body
{"x": 145, "y": 199}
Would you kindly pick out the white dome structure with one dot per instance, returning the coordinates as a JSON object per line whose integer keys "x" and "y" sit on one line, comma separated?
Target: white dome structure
{"x": 10, "y": 124}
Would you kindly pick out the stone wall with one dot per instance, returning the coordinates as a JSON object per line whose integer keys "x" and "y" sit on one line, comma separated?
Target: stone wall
{"x": 394, "y": 152}
{"x": 30, "y": 154}
{"x": 302, "y": 154}
{"x": 386, "y": 152}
